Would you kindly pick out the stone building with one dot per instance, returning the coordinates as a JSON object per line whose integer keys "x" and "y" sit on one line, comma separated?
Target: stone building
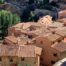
{"x": 51, "y": 39}
{"x": 12, "y": 40}
{"x": 19, "y": 55}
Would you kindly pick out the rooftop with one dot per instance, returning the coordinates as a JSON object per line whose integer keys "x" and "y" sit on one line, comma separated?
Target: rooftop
{"x": 61, "y": 47}
{"x": 53, "y": 37}
{"x": 61, "y": 31}
{"x": 22, "y": 40}
{"x": 20, "y": 51}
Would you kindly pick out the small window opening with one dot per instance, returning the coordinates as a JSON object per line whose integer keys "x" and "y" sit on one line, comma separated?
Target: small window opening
{"x": 0, "y": 59}
{"x": 55, "y": 54}
{"x": 11, "y": 60}
{"x": 22, "y": 59}
{"x": 59, "y": 40}
{"x": 52, "y": 62}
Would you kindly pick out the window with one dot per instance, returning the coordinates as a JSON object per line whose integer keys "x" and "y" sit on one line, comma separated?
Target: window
{"x": 53, "y": 42}
{"x": 42, "y": 64}
{"x": 30, "y": 36}
{"x": 0, "y": 59}
{"x": 41, "y": 42}
{"x": 52, "y": 62}
{"x": 59, "y": 40}
{"x": 22, "y": 59}
{"x": 55, "y": 54}
{"x": 41, "y": 59}
{"x": 34, "y": 62}
{"x": 53, "y": 32}
{"x": 11, "y": 60}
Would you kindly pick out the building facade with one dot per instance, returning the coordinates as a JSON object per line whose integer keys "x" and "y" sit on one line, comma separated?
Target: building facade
{"x": 19, "y": 55}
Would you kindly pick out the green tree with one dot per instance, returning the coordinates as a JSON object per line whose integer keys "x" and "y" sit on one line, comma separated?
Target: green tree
{"x": 45, "y": 2}
{"x": 7, "y": 19}
{"x": 2, "y": 1}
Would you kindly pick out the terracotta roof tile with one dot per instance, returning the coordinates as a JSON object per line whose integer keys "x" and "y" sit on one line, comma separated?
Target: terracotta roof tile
{"x": 11, "y": 50}
{"x": 26, "y": 25}
{"x": 61, "y": 31}
{"x": 61, "y": 47}
{"x": 20, "y": 51}
{"x": 19, "y": 25}
{"x": 8, "y": 50}
{"x": 22, "y": 40}
{"x": 53, "y": 37}
{"x": 26, "y": 51}
{"x": 46, "y": 20}
{"x": 56, "y": 25}
{"x": 62, "y": 14}
{"x": 13, "y": 39}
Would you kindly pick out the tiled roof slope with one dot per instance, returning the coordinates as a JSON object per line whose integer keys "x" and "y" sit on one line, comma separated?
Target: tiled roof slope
{"x": 19, "y": 51}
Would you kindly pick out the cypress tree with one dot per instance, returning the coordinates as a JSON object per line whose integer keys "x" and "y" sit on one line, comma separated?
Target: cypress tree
{"x": 7, "y": 19}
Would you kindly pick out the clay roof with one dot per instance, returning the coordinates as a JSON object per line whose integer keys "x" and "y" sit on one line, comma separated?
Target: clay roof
{"x": 40, "y": 32}
{"x": 2, "y": 52}
{"x": 46, "y": 20}
{"x": 26, "y": 51}
{"x": 26, "y": 25}
{"x": 61, "y": 31}
{"x": 62, "y": 14}
{"x": 22, "y": 40}
{"x": 53, "y": 37}
{"x": 8, "y": 50}
{"x": 20, "y": 51}
{"x": 13, "y": 39}
{"x": 19, "y": 25}
{"x": 36, "y": 24}
{"x": 56, "y": 25}
{"x": 61, "y": 47}
{"x": 11, "y": 50}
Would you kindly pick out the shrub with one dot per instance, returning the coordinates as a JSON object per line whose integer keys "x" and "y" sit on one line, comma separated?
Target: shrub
{"x": 2, "y": 1}
{"x": 7, "y": 19}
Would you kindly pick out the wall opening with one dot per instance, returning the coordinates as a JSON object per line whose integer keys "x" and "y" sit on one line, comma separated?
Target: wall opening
{"x": 52, "y": 62}
{"x": 22, "y": 59}
{"x": 55, "y": 54}
{"x": 11, "y": 60}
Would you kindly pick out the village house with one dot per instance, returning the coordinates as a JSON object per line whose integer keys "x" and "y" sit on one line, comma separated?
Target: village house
{"x": 52, "y": 39}
{"x": 61, "y": 31}
{"x": 60, "y": 50}
{"x": 22, "y": 28}
{"x": 45, "y": 42}
{"x": 12, "y": 55}
{"x": 62, "y": 14}
{"x": 21, "y": 40}
{"x": 46, "y": 20}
